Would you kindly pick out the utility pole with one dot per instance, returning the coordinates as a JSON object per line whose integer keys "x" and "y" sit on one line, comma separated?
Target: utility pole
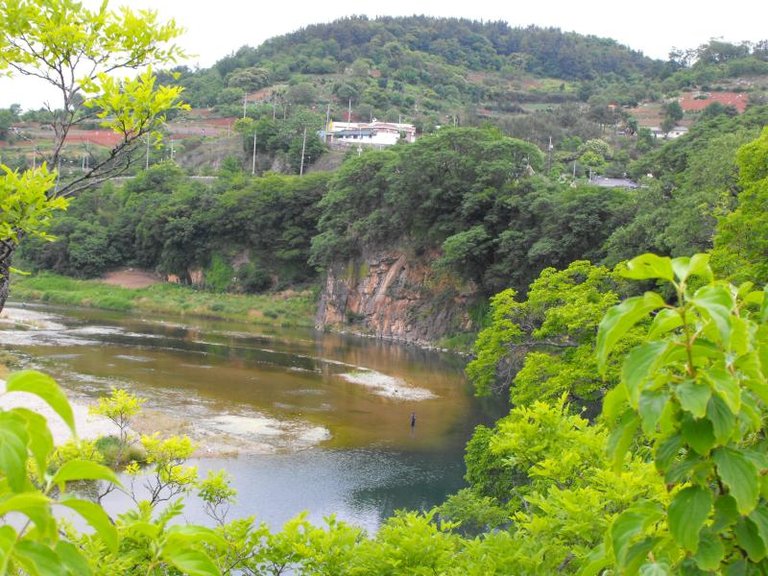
{"x": 327, "y": 123}
{"x": 245, "y": 103}
{"x": 549, "y": 155}
{"x": 303, "y": 148}
{"x": 253, "y": 160}
{"x": 349, "y": 111}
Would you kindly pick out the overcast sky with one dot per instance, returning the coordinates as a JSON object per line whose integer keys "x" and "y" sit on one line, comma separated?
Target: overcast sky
{"x": 217, "y": 28}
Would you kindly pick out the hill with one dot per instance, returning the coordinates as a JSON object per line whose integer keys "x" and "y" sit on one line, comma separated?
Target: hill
{"x": 548, "y": 87}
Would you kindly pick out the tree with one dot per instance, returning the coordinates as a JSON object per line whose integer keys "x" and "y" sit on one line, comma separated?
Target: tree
{"x": 7, "y": 117}
{"x": 673, "y": 113}
{"x": 542, "y": 348}
{"x": 80, "y": 52}
{"x": 741, "y": 239}
{"x": 249, "y": 79}
{"x": 692, "y": 396}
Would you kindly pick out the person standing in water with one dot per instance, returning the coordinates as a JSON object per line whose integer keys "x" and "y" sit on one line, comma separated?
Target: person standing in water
{"x": 413, "y": 420}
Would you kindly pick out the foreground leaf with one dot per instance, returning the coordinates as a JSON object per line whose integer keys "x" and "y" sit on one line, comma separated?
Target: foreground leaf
{"x": 688, "y": 512}
{"x": 45, "y": 388}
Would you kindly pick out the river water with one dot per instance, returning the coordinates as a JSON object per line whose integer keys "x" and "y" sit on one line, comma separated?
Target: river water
{"x": 319, "y": 422}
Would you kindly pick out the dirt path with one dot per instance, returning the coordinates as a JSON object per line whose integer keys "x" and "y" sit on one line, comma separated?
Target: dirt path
{"x": 131, "y": 278}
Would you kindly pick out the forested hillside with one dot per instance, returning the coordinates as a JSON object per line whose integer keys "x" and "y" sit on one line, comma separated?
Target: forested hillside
{"x": 535, "y": 117}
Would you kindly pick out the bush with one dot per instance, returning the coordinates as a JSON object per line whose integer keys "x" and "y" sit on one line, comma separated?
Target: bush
{"x": 252, "y": 278}
{"x": 219, "y": 276}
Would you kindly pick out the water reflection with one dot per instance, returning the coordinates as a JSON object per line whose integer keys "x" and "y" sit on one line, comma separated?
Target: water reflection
{"x": 286, "y": 390}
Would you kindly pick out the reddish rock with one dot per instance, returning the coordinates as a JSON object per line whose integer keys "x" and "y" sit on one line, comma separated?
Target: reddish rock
{"x": 395, "y": 295}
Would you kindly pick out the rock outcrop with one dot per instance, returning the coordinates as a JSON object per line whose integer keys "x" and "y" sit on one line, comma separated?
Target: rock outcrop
{"x": 395, "y": 295}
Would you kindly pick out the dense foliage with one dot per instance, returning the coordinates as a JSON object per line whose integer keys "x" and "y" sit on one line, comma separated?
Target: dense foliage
{"x": 163, "y": 219}
{"x": 78, "y": 54}
{"x": 473, "y": 193}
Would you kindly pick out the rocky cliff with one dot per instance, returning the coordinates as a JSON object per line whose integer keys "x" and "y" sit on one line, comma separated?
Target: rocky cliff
{"x": 397, "y": 296}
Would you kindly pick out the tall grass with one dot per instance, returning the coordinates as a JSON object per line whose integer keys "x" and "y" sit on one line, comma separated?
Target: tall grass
{"x": 277, "y": 309}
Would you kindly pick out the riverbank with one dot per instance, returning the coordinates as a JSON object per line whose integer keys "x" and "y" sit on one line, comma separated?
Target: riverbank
{"x": 285, "y": 309}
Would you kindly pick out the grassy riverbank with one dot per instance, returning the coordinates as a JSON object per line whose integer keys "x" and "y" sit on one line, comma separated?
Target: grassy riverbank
{"x": 281, "y": 309}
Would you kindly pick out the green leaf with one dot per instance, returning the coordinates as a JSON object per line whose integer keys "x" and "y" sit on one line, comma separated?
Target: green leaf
{"x": 755, "y": 365}
{"x": 13, "y": 449}
{"x": 655, "y": 569}
{"x": 648, "y": 267}
{"x": 726, "y": 513}
{"x": 638, "y": 554}
{"x": 73, "y": 560}
{"x": 638, "y": 367}
{"x": 688, "y": 512}
{"x": 760, "y": 517}
{"x": 83, "y": 470}
{"x": 651, "y": 407}
{"x": 665, "y": 321}
{"x": 758, "y": 458}
{"x": 190, "y": 561}
{"x": 185, "y": 534}
{"x": 8, "y": 538}
{"x": 751, "y": 366}
{"x": 723, "y": 420}
{"x": 614, "y": 403}
{"x": 667, "y": 451}
{"x": 34, "y": 505}
{"x": 97, "y": 518}
{"x": 696, "y": 265}
{"x": 621, "y": 437}
{"x": 749, "y": 540}
{"x": 46, "y": 389}
{"x": 736, "y": 568}
{"x": 740, "y": 476}
{"x": 716, "y": 303}
{"x": 595, "y": 562}
{"x": 630, "y": 524}
{"x": 711, "y": 551}
{"x": 38, "y": 559}
{"x": 739, "y": 335}
{"x": 693, "y": 397}
{"x": 699, "y": 434}
{"x": 40, "y": 437}
{"x": 681, "y": 470}
{"x": 620, "y": 319}
{"x": 726, "y": 386}
{"x": 764, "y": 306}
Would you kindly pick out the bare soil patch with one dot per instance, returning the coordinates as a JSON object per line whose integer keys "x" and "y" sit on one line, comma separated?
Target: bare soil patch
{"x": 131, "y": 278}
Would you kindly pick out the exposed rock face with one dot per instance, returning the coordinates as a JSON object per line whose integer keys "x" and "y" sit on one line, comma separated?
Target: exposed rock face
{"x": 397, "y": 296}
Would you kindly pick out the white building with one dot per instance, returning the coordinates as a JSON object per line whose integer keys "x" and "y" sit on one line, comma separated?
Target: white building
{"x": 374, "y": 133}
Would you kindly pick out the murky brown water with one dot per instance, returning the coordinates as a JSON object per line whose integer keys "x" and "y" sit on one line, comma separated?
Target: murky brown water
{"x": 329, "y": 415}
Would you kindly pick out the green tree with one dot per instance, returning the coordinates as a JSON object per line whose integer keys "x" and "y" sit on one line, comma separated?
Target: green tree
{"x": 673, "y": 113}
{"x": 79, "y": 52}
{"x": 741, "y": 240}
{"x": 693, "y": 396}
{"x": 249, "y": 79}
{"x": 542, "y": 348}
{"x": 7, "y": 117}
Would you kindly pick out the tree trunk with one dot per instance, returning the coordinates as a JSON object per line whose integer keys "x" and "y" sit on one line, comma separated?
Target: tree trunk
{"x": 7, "y": 248}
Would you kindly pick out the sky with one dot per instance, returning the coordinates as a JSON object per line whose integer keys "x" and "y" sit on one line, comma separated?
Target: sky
{"x": 217, "y": 28}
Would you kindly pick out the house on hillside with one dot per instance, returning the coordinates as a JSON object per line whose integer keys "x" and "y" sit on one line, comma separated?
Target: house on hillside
{"x": 676, "y": 132}
{"x": 375, "y": 133}
{"x": 605, "y": 182}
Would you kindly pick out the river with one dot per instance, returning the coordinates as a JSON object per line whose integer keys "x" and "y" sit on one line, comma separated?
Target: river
{"x": 302, "y": 421}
